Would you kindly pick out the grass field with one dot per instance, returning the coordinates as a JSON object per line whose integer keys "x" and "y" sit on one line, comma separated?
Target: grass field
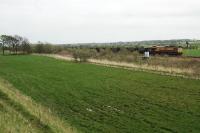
{"x": 191, "y": 52}
{"x": 103, "y": 99}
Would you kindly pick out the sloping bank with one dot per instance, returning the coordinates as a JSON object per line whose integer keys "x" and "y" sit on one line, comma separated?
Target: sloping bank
{"x": 19, "y": 113}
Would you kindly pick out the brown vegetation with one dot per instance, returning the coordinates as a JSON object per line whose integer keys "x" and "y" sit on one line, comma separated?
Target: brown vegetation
{"x": 186, "y": 66}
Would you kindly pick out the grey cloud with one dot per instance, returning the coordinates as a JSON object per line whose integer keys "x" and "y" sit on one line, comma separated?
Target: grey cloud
{"x": 66, "y": 21}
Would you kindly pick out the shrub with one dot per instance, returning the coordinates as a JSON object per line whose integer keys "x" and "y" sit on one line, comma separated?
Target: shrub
{"x": 39, "y": 48}
{"x": 81, "y": 55}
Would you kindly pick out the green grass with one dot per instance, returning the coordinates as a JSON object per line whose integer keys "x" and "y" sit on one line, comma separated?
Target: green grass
{"x": 191, "y": 52}
{"x": 102, "y": 99}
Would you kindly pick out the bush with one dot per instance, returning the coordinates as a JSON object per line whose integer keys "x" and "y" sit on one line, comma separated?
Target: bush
{"x": 39, "y": 48}
{"x": 81, "y": 55}
{"x": 47, "y": 48}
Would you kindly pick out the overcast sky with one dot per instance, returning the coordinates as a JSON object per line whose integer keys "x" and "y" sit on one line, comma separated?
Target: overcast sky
{"x": 74, "y": 21}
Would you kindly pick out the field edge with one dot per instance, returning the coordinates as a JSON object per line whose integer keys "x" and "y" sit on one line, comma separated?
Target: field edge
{"x": 175, "y": 72}
{"x": 40, "y": 115}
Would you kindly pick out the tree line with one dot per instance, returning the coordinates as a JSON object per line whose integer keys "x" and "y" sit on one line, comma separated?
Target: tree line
{"x": 15, "y": 44}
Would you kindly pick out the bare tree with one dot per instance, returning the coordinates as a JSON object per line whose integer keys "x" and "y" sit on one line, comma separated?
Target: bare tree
{"x": 187, "y": 43}
{"x": 19, "y": 42}
{"x": 5, "y": 42}
{"x": 25, "y": 45}
{"x": 15, "y": 43}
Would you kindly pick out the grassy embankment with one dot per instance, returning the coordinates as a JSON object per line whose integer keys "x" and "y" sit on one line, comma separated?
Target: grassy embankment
{"x": 20, "y": 114}
{"x": 102, "y": 99}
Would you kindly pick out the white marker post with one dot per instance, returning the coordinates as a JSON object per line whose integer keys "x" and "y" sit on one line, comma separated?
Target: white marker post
{"x": 146, "y": 54}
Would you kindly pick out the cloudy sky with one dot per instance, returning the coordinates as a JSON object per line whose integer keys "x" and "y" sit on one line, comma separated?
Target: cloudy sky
{"x": 72, "y": 21}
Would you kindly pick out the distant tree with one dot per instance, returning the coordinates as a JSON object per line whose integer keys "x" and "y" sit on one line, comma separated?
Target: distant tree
{"x": 18, "y": 42}
{"x": 25, "y": 46}
{"x": 48, "y": 48}
{"x": 5, "y": 41}
{"x": 187, "y": 43}
{"x": 39, "y": 48}
{"x": 1, "y": 45}
{"x": 8, "y": 41}
{"x": 14, "y": 43}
